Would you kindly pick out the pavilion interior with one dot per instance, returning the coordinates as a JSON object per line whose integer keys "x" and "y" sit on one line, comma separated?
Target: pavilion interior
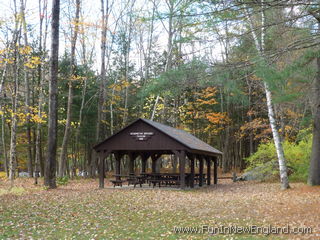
{"x": 182, "y": 168}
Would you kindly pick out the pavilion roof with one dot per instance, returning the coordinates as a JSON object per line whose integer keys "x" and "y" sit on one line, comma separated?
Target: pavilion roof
{"x": 190, "y": 142}
{"x": 183, "y": 137}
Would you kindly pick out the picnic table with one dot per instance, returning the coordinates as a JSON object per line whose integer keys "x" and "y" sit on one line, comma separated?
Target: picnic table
{"x": 166, "y": 179}
{"x": 154, "y": 179}
{"x": 131, "y": 179}
{"x": 118, "y": 181}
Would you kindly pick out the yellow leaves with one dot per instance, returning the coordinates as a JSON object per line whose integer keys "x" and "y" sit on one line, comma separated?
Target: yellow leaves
{"x": 25, "y": 50}
{"x": 118, "y": 88}
{"x": 160, "y": 106}
{"x": 72, "y": 124}
{"x": 76, "y": 78}
{"x": 120, "y": 85}
{"x": 29, "y": 65}
{"x": 8, "y": 60}
{"x": 23, "y": 114}
{"x": 62, "y": 122}
{"x": 38, "y": 119}
{"x": 33, "y": 62}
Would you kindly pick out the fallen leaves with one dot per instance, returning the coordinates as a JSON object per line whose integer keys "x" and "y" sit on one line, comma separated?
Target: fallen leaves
{"x": 80, "y": 211}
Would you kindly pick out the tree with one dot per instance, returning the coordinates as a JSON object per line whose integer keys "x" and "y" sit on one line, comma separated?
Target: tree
{"x": 72, "y": 77}
{"x": 314, "y": 171}
{"x": 14, "y": 99}
{"x": 50, "y": 166}
{"x": 41, "y": 75}
{"x": 27, "y": 91}
{"x": 260, "y": 47}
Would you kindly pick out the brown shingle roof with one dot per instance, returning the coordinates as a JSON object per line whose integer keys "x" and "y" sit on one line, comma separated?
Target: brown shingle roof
{"x": 183, "y": 137}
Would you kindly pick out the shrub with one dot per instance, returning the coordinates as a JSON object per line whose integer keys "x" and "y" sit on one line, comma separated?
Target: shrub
{"x": 3, "y": 175}
{"x": 297, "y": 155}
{"x": 62, "y": 180}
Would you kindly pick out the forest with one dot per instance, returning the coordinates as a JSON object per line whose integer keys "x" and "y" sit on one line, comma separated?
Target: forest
{"x": 243, "y": 76}
{"x": 212, "y": 68}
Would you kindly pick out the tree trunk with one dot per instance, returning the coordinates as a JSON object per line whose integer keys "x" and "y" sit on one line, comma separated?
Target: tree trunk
{"x": 102, "y": 91}
{"x": 5, "y": 156}
{"x": 13, "y": 151}
{"x": 276, "y": 137}
{"x": 13, "y": 140}
{"x": 41, "y": 75}
{"x": 50, "y": 166}
{"x": 314, "y": 171}
{"x": 64, "y": 147}
{"x": 127, "y": 62}
{"x": 83, "y": 98}
{"x": 154, "y": 108}
{"x": 27, "y": 93}
{"x": 168, "y": 64}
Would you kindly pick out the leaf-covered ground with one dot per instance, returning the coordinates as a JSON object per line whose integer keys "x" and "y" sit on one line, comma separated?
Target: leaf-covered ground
{"x": 79, "y": 210}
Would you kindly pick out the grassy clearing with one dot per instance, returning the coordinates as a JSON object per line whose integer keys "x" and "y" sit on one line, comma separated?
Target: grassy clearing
{"x": 14, "y": 191}
{"x": 79, "y": 210}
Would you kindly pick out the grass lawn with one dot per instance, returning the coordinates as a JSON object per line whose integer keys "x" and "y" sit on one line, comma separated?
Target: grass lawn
{"x": 79, "y": 210}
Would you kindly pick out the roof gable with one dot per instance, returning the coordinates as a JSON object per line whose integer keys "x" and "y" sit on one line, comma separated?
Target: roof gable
{"x": 153, "y": 136}
{"x": 184, "y": 137}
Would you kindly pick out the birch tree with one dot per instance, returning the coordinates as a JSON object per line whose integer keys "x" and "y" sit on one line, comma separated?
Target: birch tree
{"x": 260, "y": 47}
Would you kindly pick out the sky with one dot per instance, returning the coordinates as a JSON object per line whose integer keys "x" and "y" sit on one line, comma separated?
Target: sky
{"x": 91, "y": 17}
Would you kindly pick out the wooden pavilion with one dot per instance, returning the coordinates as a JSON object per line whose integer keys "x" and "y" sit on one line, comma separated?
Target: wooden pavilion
{"x": 149, "y": 139}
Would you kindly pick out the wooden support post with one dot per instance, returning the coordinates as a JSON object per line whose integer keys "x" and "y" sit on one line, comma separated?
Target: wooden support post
{"x": 144, "y": 159}
{"x": 101, "y": 170}
{"x": 215, "y": 170}
{"x": 200, "y": 171}
{"x": 208, "y": 171}
{"x": 154, "y": 165}
{"x": 118, "y": 165}
{"x": 154, "y": 159}
{"x": 192, "y": 172}
{"x": 131, "y": 163}
{"x": 182, "y": 167}
{"x": 102, "y": 156}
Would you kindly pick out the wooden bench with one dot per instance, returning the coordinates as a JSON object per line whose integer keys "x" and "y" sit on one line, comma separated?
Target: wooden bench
{"x": 117, "y": 182}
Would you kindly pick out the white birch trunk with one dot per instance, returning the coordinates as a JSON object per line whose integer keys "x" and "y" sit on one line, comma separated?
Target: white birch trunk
{"x": 276, "y": 136}
{"x": 154, "y": 108}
